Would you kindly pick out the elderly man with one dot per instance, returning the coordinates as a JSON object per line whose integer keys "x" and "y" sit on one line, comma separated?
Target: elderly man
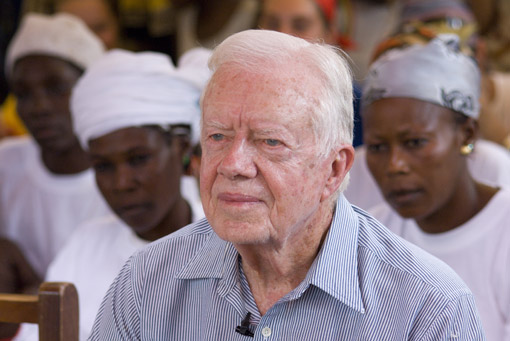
{"x": 282, "y": 254}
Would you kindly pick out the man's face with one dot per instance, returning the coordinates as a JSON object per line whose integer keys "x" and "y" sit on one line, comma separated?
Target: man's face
{"x": 42, "y": 86}
{"x": 413, "y": 154}
{"x": 138, "y": 172}
{"x": 261, "y": 180}
{"x": 300, "y": 18}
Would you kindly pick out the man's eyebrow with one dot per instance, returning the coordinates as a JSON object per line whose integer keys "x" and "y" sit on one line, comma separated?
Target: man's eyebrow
{"x": 215, "y": 124}
{"x": 269, "y": 131}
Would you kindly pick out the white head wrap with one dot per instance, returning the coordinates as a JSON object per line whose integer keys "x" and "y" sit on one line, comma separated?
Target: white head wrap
{"x": 193, "y": 66}
{"x": 61, "y": 35}
{"x": 126, "y": 89}
{"x": 436, "y": 73}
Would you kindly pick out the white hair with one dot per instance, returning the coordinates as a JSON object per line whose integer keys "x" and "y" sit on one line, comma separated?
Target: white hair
{"x": 262, "y": 51}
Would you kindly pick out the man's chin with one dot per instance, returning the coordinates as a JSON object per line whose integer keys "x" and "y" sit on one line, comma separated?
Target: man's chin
{"x": 242, "y": 233}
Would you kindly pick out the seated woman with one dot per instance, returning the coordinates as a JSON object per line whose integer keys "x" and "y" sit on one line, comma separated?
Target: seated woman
{"x": 134, "y": 113}
{"x": 419, "y": 22}
{"x": 46, "y": 183}
{"x": 420, "y": 124}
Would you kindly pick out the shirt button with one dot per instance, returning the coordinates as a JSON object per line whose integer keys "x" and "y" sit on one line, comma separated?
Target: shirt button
{"x": 266, "y": 331}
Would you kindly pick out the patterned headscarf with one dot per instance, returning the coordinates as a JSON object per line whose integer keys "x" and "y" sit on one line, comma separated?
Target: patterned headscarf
{"x": 423, "y": 20}
{"x": 423, "y": 10}
{"x": 436, "y": 72}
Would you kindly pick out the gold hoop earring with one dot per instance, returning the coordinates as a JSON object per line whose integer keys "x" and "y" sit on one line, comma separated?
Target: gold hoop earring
{"x": 467, "y": 149}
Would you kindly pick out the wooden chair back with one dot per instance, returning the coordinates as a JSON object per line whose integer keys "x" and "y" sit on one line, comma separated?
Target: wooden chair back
{"x": 54, "y": 309}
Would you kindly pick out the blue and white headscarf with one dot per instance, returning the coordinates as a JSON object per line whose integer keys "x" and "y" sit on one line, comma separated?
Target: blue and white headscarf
{"x": 436, "y": 72}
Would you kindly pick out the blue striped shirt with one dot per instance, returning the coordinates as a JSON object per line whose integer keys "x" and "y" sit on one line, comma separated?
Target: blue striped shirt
{"x": 365, "y": 284}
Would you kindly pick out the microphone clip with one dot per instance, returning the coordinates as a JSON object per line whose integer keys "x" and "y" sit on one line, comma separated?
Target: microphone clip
{"x": 244, "y": 328}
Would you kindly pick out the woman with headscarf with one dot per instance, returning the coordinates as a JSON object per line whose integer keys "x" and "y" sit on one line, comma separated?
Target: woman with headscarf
{"x": 136, "y": 114}
{"x": 46, "y": 184}
{"x": 420, "y": 123}
{"x": 420, "y": 22}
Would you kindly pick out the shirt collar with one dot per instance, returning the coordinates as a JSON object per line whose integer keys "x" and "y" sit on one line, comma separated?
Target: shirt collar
{"x": 215, "y": 259}
{"x": 335, "y": 270}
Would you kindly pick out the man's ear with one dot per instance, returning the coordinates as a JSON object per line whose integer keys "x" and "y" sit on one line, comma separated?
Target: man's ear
{"x": 340, "y": 164}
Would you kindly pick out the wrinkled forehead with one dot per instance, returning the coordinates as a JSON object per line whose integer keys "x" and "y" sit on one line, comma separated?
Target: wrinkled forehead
{"x": 285, "y": 86}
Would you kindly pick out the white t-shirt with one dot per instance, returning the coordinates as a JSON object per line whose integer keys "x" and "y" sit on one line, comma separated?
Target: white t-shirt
{"x": 91, "y": 259}
{"x": 489, "y": 163}
{"x": 39, "y": 210}
{"x": 479, "y": 251}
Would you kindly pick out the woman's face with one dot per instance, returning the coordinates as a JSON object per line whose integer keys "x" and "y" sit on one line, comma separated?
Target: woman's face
{"x": 300, "y": 18}
{"x": 138, "y": 171}
{"x": 413, "y": 152}
{"x": 42, "y": 86}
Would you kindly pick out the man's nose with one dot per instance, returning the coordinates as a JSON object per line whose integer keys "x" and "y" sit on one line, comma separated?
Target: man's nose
{"x": 238, "y": 160}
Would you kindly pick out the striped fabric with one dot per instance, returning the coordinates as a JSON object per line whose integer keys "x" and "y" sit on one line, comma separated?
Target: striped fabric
{"x": 365, "y": 284}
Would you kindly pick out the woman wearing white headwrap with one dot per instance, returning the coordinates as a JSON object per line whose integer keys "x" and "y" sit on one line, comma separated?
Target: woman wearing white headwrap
{"x": 46, "y": 185}
{"x": 135, "y": 114}
{"x": 420, "y": 127}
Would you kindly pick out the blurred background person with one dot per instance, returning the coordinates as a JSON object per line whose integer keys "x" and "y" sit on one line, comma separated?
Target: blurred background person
{"x": 370, "y": 21}
{"x": 313, "y": 20}
{"x": 207, "y": 23}
{"x": 98, "y": 15}
{"x": 46, "y": 185}
{"x": 493, "y": 19}
{"x": 494, "y": 26}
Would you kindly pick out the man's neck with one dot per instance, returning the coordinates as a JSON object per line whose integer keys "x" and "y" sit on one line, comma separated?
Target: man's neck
{"x": 274, "y": 271}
